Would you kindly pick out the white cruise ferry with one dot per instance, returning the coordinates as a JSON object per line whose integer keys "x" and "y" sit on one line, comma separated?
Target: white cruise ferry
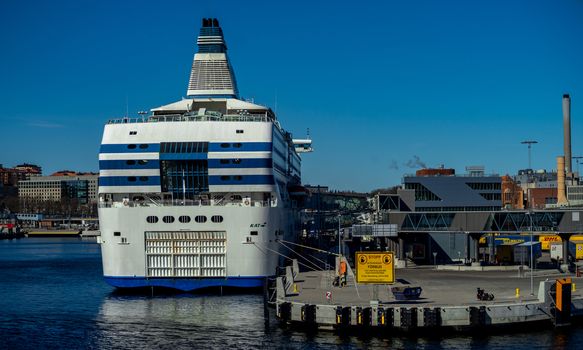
{"x": 197, "y": 194}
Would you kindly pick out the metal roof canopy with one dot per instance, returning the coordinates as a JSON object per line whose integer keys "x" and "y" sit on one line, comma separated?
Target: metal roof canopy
{"x": 539, "y": 221}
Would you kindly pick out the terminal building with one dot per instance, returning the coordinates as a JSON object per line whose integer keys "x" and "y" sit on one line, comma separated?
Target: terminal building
{"x": 442, "y": 190}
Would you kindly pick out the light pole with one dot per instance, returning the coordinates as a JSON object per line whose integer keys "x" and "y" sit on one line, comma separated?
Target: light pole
{"x": 339, "y": 242}
{"x": 529, "y": 213}
{"x": 528, "y": 175}
{"x": 529, "y": 143}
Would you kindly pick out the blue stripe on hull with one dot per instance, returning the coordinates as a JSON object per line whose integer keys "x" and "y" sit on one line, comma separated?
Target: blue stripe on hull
{"x": 185, "y": 284}
{"x": 129, "y": 148}
{"x": 239, "y": 146}
{"x": 240, "y": 163}
{"x": 134, "y": 164}
{"x": 124, "y": 180}
{"x": 243, "y": 180}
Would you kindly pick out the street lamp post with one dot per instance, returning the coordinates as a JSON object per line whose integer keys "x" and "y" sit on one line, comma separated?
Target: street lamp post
{"x": 339, "y": 241}
{"x": 529, "y": 213}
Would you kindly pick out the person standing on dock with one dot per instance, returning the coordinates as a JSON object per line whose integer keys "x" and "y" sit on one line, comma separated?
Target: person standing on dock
{"x": 342, "y": 272}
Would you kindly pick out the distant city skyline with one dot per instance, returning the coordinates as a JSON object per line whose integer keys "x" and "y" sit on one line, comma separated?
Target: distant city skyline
{"x": 384, "y": 87}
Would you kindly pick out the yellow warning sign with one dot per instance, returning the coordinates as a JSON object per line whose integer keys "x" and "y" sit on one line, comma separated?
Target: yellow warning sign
{"x": 375, "y": 267}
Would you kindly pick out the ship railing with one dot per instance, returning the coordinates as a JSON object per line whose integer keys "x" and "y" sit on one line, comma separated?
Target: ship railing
{"x": 193, "y": 118}
{"x": 187, "y": 202}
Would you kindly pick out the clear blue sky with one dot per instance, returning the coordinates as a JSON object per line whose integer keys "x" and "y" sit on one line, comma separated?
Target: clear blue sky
{"x": 377, "y": 83}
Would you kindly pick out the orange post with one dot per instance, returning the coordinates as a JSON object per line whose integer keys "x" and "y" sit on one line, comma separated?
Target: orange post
{"x": 559, "y": 288}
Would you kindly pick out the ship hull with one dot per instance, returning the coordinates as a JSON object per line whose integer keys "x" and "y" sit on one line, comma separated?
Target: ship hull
{"x": 185, "y": 284}
{"x": 240, "y": 251}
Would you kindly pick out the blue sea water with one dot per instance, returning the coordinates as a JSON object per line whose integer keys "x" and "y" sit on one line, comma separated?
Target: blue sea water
{"x": 52, "y": 296}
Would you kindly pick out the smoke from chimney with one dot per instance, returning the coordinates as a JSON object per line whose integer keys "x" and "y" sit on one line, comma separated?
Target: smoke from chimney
{"x": 416, "y": 162}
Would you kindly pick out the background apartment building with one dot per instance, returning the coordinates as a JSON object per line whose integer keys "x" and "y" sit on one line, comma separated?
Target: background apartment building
{"x": 61, "y": 185}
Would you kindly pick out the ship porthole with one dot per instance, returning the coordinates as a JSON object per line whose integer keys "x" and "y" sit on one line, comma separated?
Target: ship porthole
{"x": 184, "y": 219}
{"x": 217, "y": 219}
{"x": 152, "y": 219}
{"x": 168, "y": 219}
{"x": 201, "y": 219}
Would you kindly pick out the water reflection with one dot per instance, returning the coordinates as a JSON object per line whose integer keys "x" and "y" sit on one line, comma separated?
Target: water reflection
{"x": 54, "y": 296}
{"x": 209, "y": 320}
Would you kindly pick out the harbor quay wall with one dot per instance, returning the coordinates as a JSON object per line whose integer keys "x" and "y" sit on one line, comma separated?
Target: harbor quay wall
{"x": 408, "y": 317}
{"x": 299, "y": 301}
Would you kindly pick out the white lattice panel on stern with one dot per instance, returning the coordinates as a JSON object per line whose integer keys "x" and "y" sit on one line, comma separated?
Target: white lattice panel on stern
{"x": 186, "y": 254}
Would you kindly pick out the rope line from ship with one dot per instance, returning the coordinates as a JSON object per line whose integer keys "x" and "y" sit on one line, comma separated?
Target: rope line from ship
{"x": 303, "y": 257}
{"x": 350, "y": 271}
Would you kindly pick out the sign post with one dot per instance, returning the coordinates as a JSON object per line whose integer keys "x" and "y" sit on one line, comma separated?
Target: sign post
{"x": 375, "y": 267}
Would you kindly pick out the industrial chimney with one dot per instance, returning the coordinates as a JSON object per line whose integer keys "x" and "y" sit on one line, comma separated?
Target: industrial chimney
{"x": 567, "y": 132}
{"x": 561, "y": 190}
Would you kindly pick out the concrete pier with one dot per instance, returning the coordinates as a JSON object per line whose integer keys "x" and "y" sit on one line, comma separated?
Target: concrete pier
{"x": 448, "y": 300}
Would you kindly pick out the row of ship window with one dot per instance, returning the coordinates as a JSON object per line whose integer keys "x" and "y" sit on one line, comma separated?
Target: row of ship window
{"x": 201, "y": 219}
{"x": 144, "y": 162}
{"x": 140, "y": 162}
{"x": 223, "y": 178}
{"x": 141, "y": 178}
{"x": 234, "y": 145}
{"x": 234, "y": 177}
{"x": 142, "y": 146}
{"x": 223, "y": 145}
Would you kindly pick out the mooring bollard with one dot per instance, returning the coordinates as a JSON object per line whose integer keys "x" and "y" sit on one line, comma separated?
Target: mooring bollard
{"x": 517, "y": 292}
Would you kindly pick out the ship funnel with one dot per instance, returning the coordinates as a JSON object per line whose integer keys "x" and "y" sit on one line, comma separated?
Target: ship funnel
{"x": 567, "y": 133}
{"x": 211, "y": 74}
{"x": 561, "y": 190}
